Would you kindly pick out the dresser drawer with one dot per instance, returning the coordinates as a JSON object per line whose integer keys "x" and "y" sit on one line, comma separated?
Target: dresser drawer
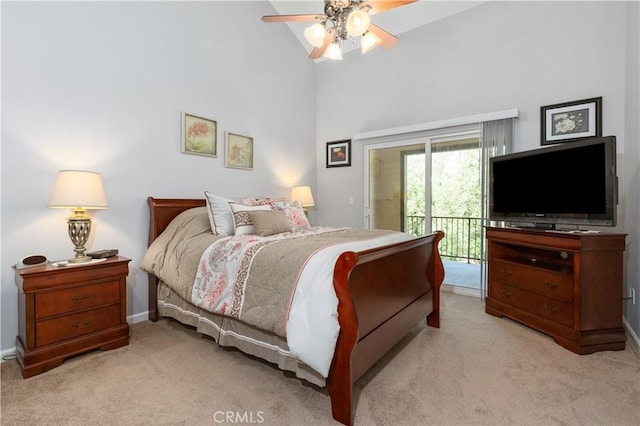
{"x": 72, "y": 299}
{"x": 74, "y": 325}
{"x": 540, "y": 305}
{"x": 541, "y": 281}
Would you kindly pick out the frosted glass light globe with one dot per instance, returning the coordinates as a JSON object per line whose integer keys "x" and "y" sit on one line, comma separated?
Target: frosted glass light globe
{"x": 315, "y": 34}
{"x": 333, "y": 52}
{"x": 369, "y": 41}
{"x": 358, "y": 23}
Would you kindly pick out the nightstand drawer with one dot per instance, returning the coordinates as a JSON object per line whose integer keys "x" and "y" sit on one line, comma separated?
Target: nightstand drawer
{"x": 72, "y": 299}
{"x": 69, "y": 326}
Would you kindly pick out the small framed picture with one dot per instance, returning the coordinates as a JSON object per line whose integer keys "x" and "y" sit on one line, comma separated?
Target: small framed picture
{"x": 571, "y": 121}
{"x": 238, "y": 151}
{"x": 199, "y": 135}
{"x": 339, "y": 153}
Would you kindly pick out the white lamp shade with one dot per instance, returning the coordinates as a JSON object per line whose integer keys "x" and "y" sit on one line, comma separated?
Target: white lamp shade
{"x": 77, "y": 188}
{"x": 315, "y": 34}
{"x": 303, "y": 195}
{"x": 333, "y": 52}
{"x": 358, "y": 23}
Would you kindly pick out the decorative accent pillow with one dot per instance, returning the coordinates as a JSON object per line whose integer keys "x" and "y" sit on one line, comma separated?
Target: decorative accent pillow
{"x": 241, "y": 220}
{"x": 271, "y": 201}
{"x": 220, "y": 215}
{"x": 294, "y": 213}
{"x": 269, "y": 223}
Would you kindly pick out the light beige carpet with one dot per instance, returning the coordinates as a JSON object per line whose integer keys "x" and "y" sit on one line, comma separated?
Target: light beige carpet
{"x": 475, "y": 370}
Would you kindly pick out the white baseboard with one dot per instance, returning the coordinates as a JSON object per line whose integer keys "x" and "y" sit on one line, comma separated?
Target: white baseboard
{"x": 142, "y": 316}
{"x": 11, "y": 352}
{"x": 632, "y": 338}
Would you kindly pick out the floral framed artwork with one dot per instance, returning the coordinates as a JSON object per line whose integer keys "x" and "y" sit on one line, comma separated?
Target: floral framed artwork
{"x": 238, "y": 151}
{"x": 571, "y": 121}
{"x": 339, "y": 153}
{"x": 199, "y": 135}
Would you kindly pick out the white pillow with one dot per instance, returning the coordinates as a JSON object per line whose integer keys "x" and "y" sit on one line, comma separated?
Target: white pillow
{"x": 219, "y": 214}
{"x": 241, "y": 220}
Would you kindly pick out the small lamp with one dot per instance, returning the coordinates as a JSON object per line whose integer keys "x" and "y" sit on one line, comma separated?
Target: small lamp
{"x": 303, "y": 195}
{"x": 79, "y": 191}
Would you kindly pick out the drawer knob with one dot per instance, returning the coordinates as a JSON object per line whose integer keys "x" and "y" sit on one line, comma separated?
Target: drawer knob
{"x": 505, "y": 293}
{"x": 550, "y": 309}
{"x": 75, "y": 324}
{"x": 505, "y": 272}
{"x": 77, "y": 299}
{"x": 550, "y": 284}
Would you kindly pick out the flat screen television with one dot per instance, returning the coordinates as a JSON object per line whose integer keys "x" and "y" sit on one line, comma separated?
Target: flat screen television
{"x": 574, "y": 183}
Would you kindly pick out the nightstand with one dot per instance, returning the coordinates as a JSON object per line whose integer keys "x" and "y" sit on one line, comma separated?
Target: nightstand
{"x": 67, "y": 310}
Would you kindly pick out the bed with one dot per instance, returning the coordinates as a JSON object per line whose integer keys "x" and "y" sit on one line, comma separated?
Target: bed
{"x": 381, "y": 292}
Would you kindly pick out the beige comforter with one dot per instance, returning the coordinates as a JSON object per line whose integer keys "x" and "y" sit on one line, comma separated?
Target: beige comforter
{"x": 254, "y": 278}
{"x": 174, "y": 255}
{"x": 260, "y": 294}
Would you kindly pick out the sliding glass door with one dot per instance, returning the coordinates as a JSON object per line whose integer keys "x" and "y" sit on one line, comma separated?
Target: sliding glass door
{"x": 396, "y": 187}
{"x": 419, "y": 185}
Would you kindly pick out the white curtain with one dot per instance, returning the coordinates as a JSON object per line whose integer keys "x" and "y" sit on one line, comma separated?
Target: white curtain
{"x": 496, "y": 139}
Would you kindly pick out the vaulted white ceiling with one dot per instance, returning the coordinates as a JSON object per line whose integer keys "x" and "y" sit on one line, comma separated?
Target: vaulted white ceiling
{"x": 396, "y": 21}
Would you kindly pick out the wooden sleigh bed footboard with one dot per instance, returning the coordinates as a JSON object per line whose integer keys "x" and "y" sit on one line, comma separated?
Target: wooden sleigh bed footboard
{"x": 382, "y": 294}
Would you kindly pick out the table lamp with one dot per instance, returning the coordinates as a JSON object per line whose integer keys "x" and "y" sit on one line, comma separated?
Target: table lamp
{"x": 303, "y": 195}
{"x": 79, "y": 191}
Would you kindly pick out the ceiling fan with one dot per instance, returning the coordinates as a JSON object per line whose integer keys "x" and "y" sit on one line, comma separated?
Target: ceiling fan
{"x": 343, "y": 19}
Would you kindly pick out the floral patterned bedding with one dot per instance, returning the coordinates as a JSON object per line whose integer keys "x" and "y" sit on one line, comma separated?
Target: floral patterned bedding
{"x": 254, "y": 278}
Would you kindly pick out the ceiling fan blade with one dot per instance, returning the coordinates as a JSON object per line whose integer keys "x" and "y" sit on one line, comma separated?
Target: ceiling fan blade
{"x": 292, "y": 18}
{"x": 319, "y": 51}
{"x": 378, "y": 6}
{"x": 387, "y": 39}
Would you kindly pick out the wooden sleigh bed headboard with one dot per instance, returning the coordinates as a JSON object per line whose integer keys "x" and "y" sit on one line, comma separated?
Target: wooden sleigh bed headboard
{"x": 163, "y": 210}
{"x": 382, "y": 294}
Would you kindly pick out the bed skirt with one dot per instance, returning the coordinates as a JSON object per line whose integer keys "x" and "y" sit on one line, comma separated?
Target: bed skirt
{"x": 234, "y": 333}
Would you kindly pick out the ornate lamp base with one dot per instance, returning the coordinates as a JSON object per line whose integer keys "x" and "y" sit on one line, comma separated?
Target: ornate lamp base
{"x": 79, "y": 230}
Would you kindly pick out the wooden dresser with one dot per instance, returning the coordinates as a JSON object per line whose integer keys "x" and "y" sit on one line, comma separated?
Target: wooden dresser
{"x": 64, "y": 311}
{"x": 566, "y": 285}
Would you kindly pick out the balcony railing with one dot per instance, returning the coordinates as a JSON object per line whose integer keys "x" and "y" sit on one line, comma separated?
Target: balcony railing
{"x": 462, "y": 236}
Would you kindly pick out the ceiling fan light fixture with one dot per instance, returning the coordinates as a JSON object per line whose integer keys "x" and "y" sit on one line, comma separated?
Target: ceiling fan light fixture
{"x": 315, "y": 34}
{"x": 369, "y": 41}
{"x": 333, "y": 52}
{"x": 342, "y": 20}
{"x": 358, "y": 23}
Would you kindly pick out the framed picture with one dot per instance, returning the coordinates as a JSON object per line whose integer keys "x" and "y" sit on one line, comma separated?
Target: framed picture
{"x": 571, "y": 121}
{"x": 238, "y": 151}
{"x": 339, "y": 153}
{"x": 199, "y": 135}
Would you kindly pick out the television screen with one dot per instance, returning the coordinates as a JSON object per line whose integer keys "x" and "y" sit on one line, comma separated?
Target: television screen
{"x": 573, "y": 183}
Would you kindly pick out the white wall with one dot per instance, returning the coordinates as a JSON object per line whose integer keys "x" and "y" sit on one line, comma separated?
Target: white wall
{"x": 494, "y": 57}
{"x": 101, "y": 85}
